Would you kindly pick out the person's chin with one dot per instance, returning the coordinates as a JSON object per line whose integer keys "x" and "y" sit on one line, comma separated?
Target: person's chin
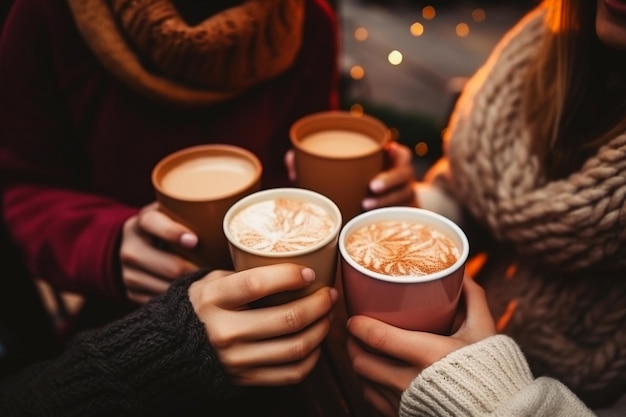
{"x": 611, "y": 23}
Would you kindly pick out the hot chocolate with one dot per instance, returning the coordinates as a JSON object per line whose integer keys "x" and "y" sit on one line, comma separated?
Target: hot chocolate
{"x": 401, "y": 248}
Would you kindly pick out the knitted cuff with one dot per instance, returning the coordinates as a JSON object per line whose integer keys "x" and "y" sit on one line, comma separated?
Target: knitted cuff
{"x": 157, "y": 355}
{"x": 470, "y": 381}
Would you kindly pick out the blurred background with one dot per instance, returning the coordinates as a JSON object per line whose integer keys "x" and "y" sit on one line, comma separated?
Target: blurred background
{"x": 405, "y": 61}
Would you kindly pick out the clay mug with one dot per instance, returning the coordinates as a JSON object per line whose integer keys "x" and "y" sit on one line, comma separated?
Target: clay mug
{"x": 337, "y": 153}
{"x": 196, "y": 186}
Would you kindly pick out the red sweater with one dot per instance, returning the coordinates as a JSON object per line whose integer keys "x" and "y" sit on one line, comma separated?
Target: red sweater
{"x": 77, "y": 145}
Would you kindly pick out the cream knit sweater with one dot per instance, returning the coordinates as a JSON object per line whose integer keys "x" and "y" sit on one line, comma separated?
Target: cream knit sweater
{"x": 555, "y": 249}
{"x": 489, "y": 378}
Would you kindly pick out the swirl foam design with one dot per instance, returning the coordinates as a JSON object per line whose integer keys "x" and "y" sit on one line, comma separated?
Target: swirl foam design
{"x": 401, "y": 248}
{"x": 281, "y": 225}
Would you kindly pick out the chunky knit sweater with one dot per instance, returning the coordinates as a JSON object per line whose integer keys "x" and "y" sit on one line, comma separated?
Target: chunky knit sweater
{"x": 156, "y": 361}
{"x": 489, "y": 378}
{"x": 554, "y": 274}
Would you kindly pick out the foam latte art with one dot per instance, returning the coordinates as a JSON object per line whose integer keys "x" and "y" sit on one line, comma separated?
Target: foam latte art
{"x": 281, "y": 225}
{"x": 401, "y": 248}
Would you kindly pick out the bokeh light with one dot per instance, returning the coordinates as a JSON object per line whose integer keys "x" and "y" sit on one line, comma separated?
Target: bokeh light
{"x": 462, "y": 30}
{"x": 356, "y": 109}
{"x": 421, "y": 149}
{"x": 417, "y": 29}
{"x": 478, "y": 15}
{"x": 428, "y": 12}
{"x": 357, "y": 72}
{"x": 360, "y": 34}
{"x": 395, "y": 57}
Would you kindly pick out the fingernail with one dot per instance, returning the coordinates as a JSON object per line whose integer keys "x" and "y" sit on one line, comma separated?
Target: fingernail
{"x": 188, "y": 240}
{"x": 368, "y": 203}
{"x": 377, "y": 185}
{"x": 334, "y": 294}
{"x": 308, "y": 275}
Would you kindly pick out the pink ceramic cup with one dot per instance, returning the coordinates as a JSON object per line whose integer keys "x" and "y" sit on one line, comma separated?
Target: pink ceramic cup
{"x": 427, "y": 302}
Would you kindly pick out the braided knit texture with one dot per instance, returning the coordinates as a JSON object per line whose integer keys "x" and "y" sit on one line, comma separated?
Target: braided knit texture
{"x": 571, "y": 223}
{"x": 566, "y": 264}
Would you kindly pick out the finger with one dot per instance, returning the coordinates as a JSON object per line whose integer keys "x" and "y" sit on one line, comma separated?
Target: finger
{"x": 401, "y": 196}
{"x": 287, "y": 374}
{"x": 269, "y": 322}
{"x": 140, "y": 255}
{"x": 249, "y": 285}
{"x": 156, "y": 223}
{"x": 380, "y": 370}
{"x": 290, "y": 164}
{"x": 275, "y": 351}
{"x": 479, "y": 320}
{"x": 398, "y": 154}
{"x": 379, "y": 401}
{"x": 139, "y": 298}
{"x": 137, "y": 281}
{"x": 399, "y": 172}
{"x": 417, "y": 348}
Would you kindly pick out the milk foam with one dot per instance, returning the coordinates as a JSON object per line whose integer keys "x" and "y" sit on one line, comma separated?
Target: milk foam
{"x": 339, "y": 144}
{"x": 208, "y": 177}
{"x": 281, "y": 225}
{"x": 401, "y": 248}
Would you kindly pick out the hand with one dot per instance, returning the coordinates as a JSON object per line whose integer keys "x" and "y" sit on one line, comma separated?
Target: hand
{"x": 394, "y": 186}
{"x": 394, "y": 357}
{"x": 264, "y": 346}
{"x": 389, "y": 188}
{"x": 148, "y": 271}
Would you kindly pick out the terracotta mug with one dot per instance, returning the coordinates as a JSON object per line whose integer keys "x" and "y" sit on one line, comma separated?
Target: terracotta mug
{"x": 196, "y": 186}
{"x": 337, "y": 154}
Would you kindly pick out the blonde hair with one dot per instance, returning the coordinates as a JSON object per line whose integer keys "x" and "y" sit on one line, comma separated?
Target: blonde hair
{"x": 562, "y": 84}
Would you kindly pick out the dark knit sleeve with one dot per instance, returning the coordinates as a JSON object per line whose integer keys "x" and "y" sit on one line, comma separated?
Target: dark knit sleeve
{"x": 151, "y": 362}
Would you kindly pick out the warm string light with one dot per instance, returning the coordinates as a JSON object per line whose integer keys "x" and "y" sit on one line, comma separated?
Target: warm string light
{"x": 421, "y": 149}
{"x": 361, "y": 34}
{"x": 428, "y": 12}
{"x": 395, "y": 57}
{"x": 357, "y": 72}
{"x": 417, "y": 29}
{"x": 356, "y": 109}
{"x": 479, "y": 15}
{"x": 462, "y": 30}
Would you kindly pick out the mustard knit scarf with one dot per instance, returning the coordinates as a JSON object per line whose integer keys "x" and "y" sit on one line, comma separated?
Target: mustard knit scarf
{"x": 151, "y": 48}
